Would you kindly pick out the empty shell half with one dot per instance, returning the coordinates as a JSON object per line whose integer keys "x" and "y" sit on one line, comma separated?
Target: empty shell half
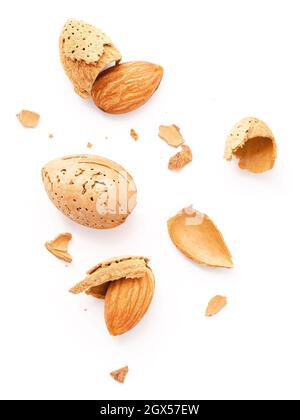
{"x": 127, "y": 286}
{"x": 84, "y": 52}
{"x": 91, "y": 190}
{"x": 252, "y": 142}
{"x": 198, "y": 238}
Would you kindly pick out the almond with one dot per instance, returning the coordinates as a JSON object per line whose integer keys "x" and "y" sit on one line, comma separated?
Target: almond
{"x": 126, "y": 87}
{"x": 126, "y": 302}
{"x": 91, "y": 190}
{"x": 127, "y": 286}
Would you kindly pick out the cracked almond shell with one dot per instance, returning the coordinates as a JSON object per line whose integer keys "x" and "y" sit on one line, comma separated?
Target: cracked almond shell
{"x": 59, "y": 247}
{"x": 252, "y": 142}
{"x": 120, "y": 374}
{"x": 111, "y": 270}
{"x": 127, "y": 285}
{"x": 85, "y": 51}
{"x": 198, "y": 238}
{"x": 91, "y": 190}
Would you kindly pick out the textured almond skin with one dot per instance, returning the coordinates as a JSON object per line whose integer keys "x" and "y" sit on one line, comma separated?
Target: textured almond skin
{"x": 83, "y": 72}
{"x": 111, "y": 270}
{"x": 126, "y": 87}
{"x": 91, "y": 190}
{"x": 126, "y": 303}
{"x": 252, "y": 142}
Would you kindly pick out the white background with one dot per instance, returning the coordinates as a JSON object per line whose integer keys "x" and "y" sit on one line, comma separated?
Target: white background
{"x": 223, "y": 60}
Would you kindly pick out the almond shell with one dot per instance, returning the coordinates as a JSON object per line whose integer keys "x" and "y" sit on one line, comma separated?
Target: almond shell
{"x": 85, "y": 51}
{"x": 198, "y": 238}
{"x": 252, "y": 142}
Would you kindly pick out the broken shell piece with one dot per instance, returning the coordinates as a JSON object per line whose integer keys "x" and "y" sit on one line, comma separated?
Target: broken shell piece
{"x": 111, "y": 270}
{"x": 59, "y": 247}
{"x": 171, "y": 134}
{"x": 134, "y": 134}
{"x": 197, "y": 237}
{"x": 85, "y": 52}
{"x": 216, "y": 305}
{"x": 28, "y": 119}
{"x": 120, "y": 375}
{"x": 252, "y": 142}
{"x": 181, "y": 159}
{"x": 98, "y": 292}
{"x": 127, "y": 285}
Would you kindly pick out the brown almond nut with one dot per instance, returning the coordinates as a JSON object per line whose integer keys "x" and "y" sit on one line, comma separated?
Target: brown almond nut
{"x": 127, "y": 285}
{"x": 126, "y": 87}
{"x": 91, "y": 190}
{"x": 198, "y": 238}
{"x": 252, "y": 142}
{"x": 127, "y": 301}
{"x": 84, "y": 52}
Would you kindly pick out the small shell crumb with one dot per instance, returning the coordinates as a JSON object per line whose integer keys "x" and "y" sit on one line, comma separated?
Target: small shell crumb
{"x": 28, "y": 119}
{"x": 59, "y": 247}
{"x": 181, "y": 159}
{"x": 50, "y": 136}
{"x": 134, "y": 134}
{"x": 120, "y": 375}
{"x": 215, "y": 305}
{"x": 89, "y": 145}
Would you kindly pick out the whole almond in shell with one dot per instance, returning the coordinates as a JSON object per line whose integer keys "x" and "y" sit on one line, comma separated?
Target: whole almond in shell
{"x": 126, "y": 87}
{"x": 91, "y": 190}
